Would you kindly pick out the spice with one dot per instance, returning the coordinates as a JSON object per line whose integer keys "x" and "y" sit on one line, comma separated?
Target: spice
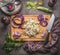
{"x": 10, "y": 6}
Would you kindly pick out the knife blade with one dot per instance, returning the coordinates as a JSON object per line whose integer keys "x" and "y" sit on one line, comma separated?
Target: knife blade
{"x": 49, "y": 26}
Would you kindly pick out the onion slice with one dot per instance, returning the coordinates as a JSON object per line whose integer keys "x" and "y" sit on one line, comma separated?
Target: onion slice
{"x": 20, "y": 18}
{"x": 16, "y": 35}
{"x": 40, "y": 17}
{"x": 44, "y": 23}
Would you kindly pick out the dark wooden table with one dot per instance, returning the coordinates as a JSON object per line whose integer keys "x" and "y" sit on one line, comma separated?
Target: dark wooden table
{"x": 3, "y": 31}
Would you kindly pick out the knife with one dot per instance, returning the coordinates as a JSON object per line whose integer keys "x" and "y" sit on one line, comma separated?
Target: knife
{"x": 49, "y": 26}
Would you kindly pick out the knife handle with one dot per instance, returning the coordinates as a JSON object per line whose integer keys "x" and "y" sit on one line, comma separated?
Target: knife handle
{"x": 47, "y": 38}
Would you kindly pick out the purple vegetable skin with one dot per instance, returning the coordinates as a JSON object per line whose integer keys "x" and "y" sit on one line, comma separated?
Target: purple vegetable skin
{"x": 22, "y": 20}
{"x": 40, "y": 17}
{"x": 17, "y": 35}
{"x": 44, "y": 23}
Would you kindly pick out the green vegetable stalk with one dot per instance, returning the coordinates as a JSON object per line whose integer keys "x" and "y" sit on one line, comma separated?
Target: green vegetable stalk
{"x": 9, "y": 45}
{"x": 44, "y": 9}
{"x": 8, "y": 49}
{"x": 8, "y": 36}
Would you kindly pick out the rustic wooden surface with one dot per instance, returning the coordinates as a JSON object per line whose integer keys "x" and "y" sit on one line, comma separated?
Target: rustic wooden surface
{"x": 3, "y": 31}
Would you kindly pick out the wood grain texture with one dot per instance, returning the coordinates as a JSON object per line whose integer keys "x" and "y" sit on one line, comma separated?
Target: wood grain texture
{"x": 37, "y": 37}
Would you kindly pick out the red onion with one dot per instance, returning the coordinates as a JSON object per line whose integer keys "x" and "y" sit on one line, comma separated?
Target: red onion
{"x": 16, "y": 17}
{"x": 20, "y": 26}
{"x": 14, "y": 26}
{"x": 43, "y": 23}
{"x": 20, "y": 16}
{"x": 43, "y": 35}
{"x": 40, "y": 17}
{"x": 16, "y": 35}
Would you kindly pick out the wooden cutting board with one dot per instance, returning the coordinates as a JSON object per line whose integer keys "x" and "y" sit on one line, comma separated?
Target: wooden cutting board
{"x": 38, "y": 37}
